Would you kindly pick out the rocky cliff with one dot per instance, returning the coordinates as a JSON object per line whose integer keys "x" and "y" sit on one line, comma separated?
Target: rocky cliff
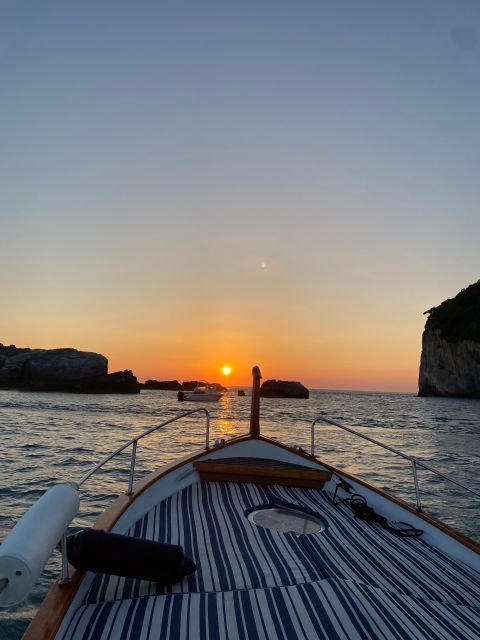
{"x": 450, "y": 360}
{"x": 162, "y": 385}
{"x": 61, "y": 370}
{"x": 283, "y": 389}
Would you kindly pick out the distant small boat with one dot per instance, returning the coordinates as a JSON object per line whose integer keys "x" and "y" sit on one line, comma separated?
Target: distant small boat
{"x": 202, "y": 393}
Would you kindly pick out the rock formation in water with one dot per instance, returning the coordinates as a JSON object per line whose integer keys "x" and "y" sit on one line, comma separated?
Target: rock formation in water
{"x": 117, "y": 382}
{"x": 216, "y": 386}
{"x": 189, "y": 385}
{"x": 283, "y": 389}
{"x": 61, "y": 370}
{"x": 450, "y": 361}
{"x": 162, "y": 385}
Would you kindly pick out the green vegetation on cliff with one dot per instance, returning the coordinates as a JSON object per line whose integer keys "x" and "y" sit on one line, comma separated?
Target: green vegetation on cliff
{"x": 458, "y": 318}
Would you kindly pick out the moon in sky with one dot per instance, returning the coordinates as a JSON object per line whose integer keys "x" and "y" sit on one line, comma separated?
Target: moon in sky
{"x": 263, "y": 265}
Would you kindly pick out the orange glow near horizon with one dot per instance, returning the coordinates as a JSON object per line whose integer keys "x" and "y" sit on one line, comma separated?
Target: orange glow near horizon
{"x": 377, "y": 349}
{"x": 325, "y": 367}
{"x": 329, "y": 358}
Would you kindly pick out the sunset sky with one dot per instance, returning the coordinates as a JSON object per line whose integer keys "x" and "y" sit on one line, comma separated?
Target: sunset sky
{"x": 185, "y": 185}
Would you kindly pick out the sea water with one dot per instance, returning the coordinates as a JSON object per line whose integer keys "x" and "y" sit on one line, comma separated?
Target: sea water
{"x": 54, "y": 437}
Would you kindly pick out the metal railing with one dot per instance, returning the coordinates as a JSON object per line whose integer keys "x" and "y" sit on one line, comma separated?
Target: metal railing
{"x": 415, "y": 462}
{"x": 64, "y": 578}
{"x": 134, "y": 441}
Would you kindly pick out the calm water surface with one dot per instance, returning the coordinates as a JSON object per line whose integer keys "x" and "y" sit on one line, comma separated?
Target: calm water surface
{"x": 48, "y": 438}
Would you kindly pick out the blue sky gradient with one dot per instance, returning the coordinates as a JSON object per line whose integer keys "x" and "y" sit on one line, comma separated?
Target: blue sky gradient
{"x": 155, "y": 154}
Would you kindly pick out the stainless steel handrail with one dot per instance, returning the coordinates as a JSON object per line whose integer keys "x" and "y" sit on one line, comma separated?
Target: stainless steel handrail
{"x": 416, "y": 462}
{"x": 64, "y": 577}
{"x": 133, "y": 443}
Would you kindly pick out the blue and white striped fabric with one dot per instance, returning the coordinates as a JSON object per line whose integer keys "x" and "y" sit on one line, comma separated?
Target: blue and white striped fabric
{"x": 328, "y": 609}
{"x": 354, "y": 581}
{"x": 365, "y": 552}
{"x": 209, "y": 521}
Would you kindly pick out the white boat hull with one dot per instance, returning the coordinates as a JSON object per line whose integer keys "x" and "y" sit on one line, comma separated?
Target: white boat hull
{"x": 211, "y": 396}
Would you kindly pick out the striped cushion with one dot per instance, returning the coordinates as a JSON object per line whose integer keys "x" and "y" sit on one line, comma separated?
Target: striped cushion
{"x": 365, "y": 552}
{"x": 208, "y": 520}
{"x": 333, "y": 610}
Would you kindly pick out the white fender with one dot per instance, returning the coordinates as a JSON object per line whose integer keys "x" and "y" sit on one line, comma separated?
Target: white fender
{"x": 27, "y": 548}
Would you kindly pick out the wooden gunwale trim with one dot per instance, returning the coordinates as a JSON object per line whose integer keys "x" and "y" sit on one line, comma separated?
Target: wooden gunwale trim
{"x": 46, "y": 621}
{"x": 49, "y": 616}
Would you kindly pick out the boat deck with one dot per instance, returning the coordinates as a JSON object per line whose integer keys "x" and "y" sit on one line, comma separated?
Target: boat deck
{"x": 355, "y": 580}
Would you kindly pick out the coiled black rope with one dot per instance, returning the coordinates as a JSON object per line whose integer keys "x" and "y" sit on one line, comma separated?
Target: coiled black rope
{"x": 363, "y": 511}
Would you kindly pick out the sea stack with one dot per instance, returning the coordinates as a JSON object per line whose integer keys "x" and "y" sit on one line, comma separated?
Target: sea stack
{"x": 450, "y": 361}
{"x": 162, "y": 385}
{"x": 283, "y": 389}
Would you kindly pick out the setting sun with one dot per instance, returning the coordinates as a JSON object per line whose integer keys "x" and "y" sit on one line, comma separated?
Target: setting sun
{"x": 226, "y": 370}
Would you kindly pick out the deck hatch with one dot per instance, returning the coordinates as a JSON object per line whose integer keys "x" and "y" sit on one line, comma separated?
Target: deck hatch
{"x": 287, "y": 520}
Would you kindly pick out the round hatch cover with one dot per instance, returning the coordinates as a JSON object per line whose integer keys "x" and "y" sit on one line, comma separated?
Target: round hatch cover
{"x": 287, "y": 520}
